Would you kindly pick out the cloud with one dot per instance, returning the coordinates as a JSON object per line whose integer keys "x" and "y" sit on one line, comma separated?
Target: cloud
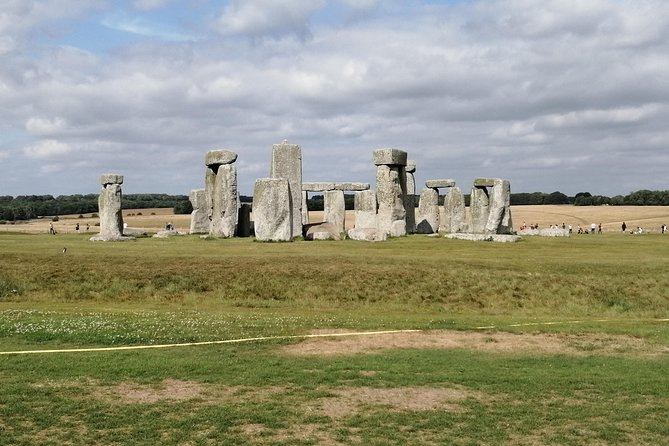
{"x": 557, "y": 95}
{"x": 259, "y": 18}
{"x": 47, "y": 149}
{"x": 145, "y": 5}
{"x": 132, "y": 24}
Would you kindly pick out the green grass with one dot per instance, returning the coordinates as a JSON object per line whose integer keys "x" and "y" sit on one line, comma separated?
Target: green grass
{"x": 185, "y": 289}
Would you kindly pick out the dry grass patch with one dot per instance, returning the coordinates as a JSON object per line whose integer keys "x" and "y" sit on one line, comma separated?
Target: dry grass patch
{"x": 349, "y": 401}
{"x": 169, "y": 390}
{"x": 491, "y": 342}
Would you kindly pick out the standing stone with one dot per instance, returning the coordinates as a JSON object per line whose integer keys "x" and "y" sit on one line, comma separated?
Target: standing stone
{"x": 428, "y": 212}
{"x": 109, "y": 207}
{"x": 364, "y": 205}
{"x": 287, "y": 163}
{"x": 199, "y": 218}
{"x": 334, "y": 209}
{"x": 272, "y": 210}
{"x": 453, "y": 216}
{"x": 411, "y": 196}
{"x": 391, "y": 191}
{"x": 499, "y": 217}
{"x": 479, "y": 209}
{"x": 305, "y": 207}
{"x": 244, "y": 220}
{"x": 221, "y": 192}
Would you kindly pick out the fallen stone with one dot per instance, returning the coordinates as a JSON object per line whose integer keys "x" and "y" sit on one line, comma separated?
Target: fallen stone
{"x": 499, "y": 238}
{"x": 367, "y": 234}
{"x": 323, "y": 231}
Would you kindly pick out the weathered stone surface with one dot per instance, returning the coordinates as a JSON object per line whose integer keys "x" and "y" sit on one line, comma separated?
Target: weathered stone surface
{"x": 219, "y": 157}
{"x": 410, "y": 204}
{"x": 317, "y": 187}
{"x": 287, "y": 163}
{"x": 323, "y": 187}
{"x": 436, "y": 184}
{"x": 391, "y": 197}
{"x": 351, "y": 187}
{"x": 272, "y": 210}
{"x": 334, "y": 209}
{"x": 398, "y": 228}
{"x": 199, "y": 218}
{"x": 545, "y": 232}
{"x": 110, "y": 211}
{"x": 479, "y": 209}
{"x": 364, "y": 205}
{"x": 484, "y": 182}
{"x": 225, "y": 202}
{"x": 390, "y": 157}
{"x": 305, "y": 208}
{"x": 428, "y": 212}
{"x": 111, "y": 178}
{"x": 499, "y": 238}
{"x": 244, "y": 220}
{"x": 411, "y": 166}
{"x": 324, "y": 231}
{"x": 367, "y": 234}
{"x": 454, "y": 215}
{"x": 499, "y": 217}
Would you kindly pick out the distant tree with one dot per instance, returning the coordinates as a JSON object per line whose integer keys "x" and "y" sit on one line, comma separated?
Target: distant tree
{"x": 183, "y": 207}
{"x": 556, "y": 198}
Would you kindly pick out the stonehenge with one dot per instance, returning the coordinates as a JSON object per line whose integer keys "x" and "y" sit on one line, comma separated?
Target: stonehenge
{"x": 279, "y": 211}
{"x": 110, "y": 209}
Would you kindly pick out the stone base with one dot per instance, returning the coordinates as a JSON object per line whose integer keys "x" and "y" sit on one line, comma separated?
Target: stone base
{"x": 104, "y": 238}
{"x": 501, "y": 238}
{"x": 367, "y": 235}
{"x": 323, "y": 231}
{"x": 546, "y": 232}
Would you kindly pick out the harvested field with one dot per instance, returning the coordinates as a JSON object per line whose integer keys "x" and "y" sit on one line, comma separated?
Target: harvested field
{"x": 611, "y": 217}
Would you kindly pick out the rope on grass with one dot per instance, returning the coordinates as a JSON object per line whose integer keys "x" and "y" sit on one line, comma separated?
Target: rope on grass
{"x": 193, "y": 344}
{"x": 531, "y": 324}
{"x": 308, "y": 336}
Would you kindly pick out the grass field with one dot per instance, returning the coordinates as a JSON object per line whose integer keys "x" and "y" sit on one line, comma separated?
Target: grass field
{"x": 546, "y": 341}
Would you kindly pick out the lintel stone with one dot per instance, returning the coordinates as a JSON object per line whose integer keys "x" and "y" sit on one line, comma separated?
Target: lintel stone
{"x": 219, "y": 157}
{"x": 111, "y": 178}
{"x": 351, "y": 186}
{"x": 411, "y": 166}
{"x": 484, "y": 182}
{"x": 390, "y": 157}
{"x": 435, "y": 184}
{"x": 317, "y": 187}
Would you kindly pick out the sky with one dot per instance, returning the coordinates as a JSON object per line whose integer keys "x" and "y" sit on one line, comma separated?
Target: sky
{"x": 553, "y": 95}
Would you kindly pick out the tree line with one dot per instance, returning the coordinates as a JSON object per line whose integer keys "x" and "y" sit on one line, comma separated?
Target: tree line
{"x": 25, "y": 207}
